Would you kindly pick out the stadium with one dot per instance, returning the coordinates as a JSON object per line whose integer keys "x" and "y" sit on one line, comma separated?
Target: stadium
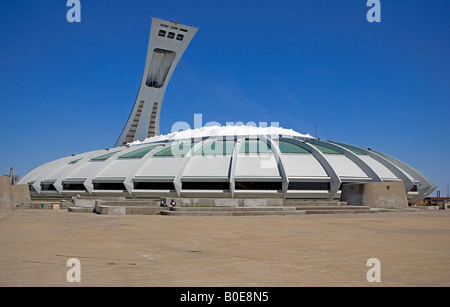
{"x": 216, "y": 162}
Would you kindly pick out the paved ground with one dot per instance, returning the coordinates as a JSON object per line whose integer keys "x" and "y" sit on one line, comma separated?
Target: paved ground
{"x": 315, "y": 250}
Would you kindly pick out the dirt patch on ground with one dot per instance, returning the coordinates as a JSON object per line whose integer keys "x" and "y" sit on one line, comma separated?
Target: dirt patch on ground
{"x": 315, "y": 250}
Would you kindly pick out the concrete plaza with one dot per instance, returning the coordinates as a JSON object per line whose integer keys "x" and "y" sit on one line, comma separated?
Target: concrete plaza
{"x": 243, "y": 251}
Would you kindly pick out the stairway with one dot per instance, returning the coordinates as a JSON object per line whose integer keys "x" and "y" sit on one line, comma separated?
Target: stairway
{"x": 335, "y": 209}
{"x": 275, "y": 210}
{"x": 240, "y": 211}
{"x": 326, "y": 207}
{"x": 151, "y": 206}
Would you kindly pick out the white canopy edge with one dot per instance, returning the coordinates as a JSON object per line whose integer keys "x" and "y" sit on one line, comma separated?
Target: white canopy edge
{"x": 214, "y": 131}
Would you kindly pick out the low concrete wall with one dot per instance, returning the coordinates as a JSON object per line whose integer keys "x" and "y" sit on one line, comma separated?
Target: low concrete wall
{"x": 152, "y": 206}
{"x": 130, "y": 207}
{"x": 83, "y": 202}
{"x": 20, "y": 194}
{"x": 389, "y": 195}
{"x": 12, "y": 195}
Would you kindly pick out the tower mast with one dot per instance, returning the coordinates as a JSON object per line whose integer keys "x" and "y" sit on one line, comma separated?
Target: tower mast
{"x": 167, "y": 43}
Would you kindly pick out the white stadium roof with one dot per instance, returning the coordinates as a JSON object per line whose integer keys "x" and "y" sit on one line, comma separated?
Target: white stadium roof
{"x": 231, "y": 161}
{"x": 224, "y": 131}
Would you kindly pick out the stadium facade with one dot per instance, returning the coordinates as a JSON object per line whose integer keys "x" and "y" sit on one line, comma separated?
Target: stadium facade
{"x": 213, "y": 162}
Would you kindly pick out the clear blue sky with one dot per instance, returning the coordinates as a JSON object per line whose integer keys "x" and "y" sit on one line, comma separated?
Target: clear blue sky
{"x": 310, "y": 65}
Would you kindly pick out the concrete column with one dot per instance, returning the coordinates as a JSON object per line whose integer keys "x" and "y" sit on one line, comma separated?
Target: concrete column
{"x": 5, "y": 194}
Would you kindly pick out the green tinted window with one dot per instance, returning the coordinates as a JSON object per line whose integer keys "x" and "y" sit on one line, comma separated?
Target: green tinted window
{"x": 175, "y": 150}
{"x": 326, "y": 150}
{"x": 354, "y": 149}
{"x": 254, "y": 146}
{"x": 105, "y": 156}
{"x": 288, "y": 147}
{"x": 138, "y": 153}
{"x": 322, "y": 146}
{"x": 216, "y": 148}
{"x": 74, "y": 161}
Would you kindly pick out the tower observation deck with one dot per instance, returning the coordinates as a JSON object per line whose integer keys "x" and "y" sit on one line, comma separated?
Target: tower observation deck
{"x": 167, "y": 43}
